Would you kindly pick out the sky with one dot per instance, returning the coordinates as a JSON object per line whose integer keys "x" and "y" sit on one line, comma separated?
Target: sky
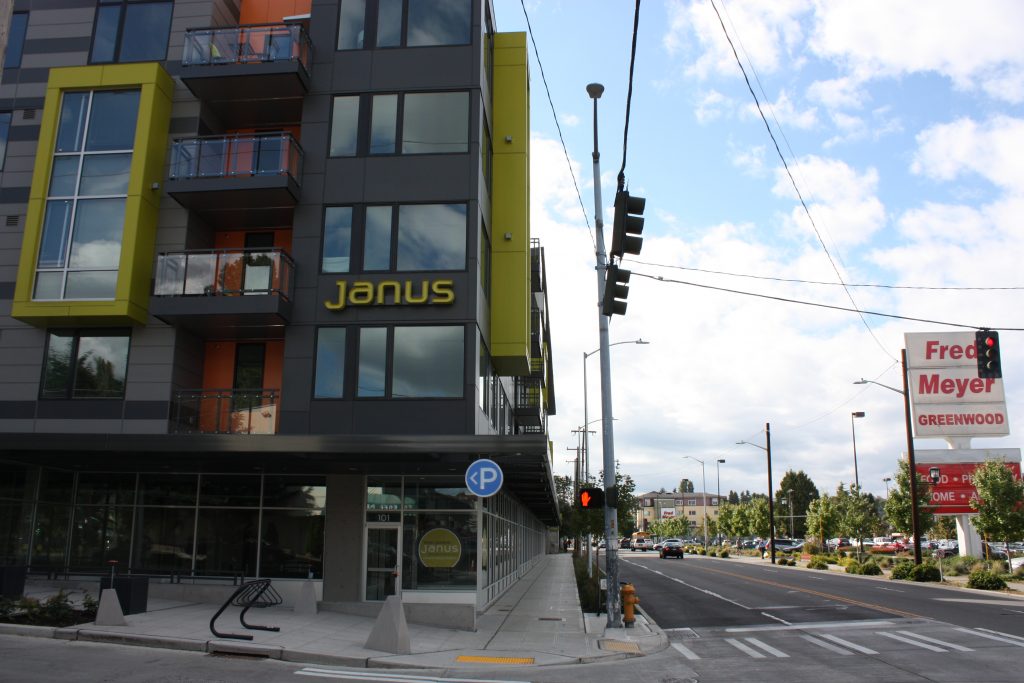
{"x": 903, "y": 129}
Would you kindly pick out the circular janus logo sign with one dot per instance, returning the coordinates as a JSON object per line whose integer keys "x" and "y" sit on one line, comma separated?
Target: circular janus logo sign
{"x": 440, "y": 549}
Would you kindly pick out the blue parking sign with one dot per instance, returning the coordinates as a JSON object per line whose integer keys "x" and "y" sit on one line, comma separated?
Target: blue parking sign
{"x": 484, "y": 478}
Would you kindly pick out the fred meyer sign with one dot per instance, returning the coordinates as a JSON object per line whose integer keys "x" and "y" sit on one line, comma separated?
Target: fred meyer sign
{"x": 948, "y": 397}
{"x": 954, "y": 470}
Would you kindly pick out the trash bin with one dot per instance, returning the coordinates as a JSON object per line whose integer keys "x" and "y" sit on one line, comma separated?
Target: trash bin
{"x": 132, "y": 592}
{"x": 12, "y": 581}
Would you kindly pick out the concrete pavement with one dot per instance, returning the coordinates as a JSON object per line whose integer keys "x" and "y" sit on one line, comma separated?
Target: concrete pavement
{"x": 537, "y": 622}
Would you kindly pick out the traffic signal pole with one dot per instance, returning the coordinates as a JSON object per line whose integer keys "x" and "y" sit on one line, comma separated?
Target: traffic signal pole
{"x": 611, "y": 533}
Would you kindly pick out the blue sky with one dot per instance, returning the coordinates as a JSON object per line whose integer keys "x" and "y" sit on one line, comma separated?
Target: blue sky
{"x": 903, "y": 125}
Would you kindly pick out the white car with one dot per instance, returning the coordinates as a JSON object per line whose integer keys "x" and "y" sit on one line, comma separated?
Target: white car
{"x": 644, "y": 544}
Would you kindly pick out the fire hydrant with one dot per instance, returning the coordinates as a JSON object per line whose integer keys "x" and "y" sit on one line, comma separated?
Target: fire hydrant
{"x": 629, "y": 598}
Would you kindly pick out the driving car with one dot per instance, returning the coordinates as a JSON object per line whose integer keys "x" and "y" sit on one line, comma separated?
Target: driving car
{"x": 671, "y": 547}
{"x": 643, "y": 544}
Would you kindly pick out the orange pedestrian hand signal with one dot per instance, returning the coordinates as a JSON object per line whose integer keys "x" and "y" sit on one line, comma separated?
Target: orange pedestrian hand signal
{"x": 591, "y": 498}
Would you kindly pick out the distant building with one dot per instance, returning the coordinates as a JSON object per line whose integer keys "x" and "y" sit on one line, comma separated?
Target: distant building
{"x": 657, "y": 505}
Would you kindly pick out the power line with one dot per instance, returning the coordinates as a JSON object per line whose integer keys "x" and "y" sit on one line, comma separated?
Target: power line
{"x": 830, "y": 284}
{"x": 554, "y": 115}
{"x": 819, "y": 305}
{"x": 629, "y": 97}
{"x": 792, "y": 180}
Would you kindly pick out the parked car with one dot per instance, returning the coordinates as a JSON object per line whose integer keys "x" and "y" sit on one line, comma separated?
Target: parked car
{"x": 658, "y": 545}
{"x": 672, "y": 547}
{"x": 838, "y": 543}
{"x": 888, "y": 547}
{"x": 784, "y": 545}
{"x": 624, "y": 544}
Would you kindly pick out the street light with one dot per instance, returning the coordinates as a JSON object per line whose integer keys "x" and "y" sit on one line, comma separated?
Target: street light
{"x": 718, "y": 492}
{"x": 789, "y": 497}
{"x": 911, "y": 462}
{"x": 767, "y": 448}
{"x": 887, "y": 480}
{"x": 853, "y": 430}
{"x": 704, "y": 496}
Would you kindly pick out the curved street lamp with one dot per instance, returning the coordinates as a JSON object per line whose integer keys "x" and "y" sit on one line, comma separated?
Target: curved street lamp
{"x": 767, "y": 448}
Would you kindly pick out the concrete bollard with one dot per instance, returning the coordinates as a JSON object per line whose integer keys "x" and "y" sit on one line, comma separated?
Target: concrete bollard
{"x": 109, "y": 611}
{"x": 306, "y": 602}
{"x": 390, "y": 632}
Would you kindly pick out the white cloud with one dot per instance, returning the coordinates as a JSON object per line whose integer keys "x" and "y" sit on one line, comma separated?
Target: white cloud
{"x": 838, "y": 93}
{"x": 976, "y": 45}
{"x": 711, "y": 106}
{"x": 786, "y": 112}
{"x": 750, "y": 160}
{"x": 570, "y": 120}
{"x": 990, "y": 149}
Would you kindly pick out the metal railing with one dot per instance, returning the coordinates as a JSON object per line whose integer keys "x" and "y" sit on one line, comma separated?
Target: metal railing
{"x": 224, "y": 272}
{"x": 239, "y": 155}
{"x": 253, "y": 44}
{"x": 225, "y": 411}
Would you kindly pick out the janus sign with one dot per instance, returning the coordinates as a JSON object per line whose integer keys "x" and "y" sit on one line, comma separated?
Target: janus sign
{"x": 948, "y": 397}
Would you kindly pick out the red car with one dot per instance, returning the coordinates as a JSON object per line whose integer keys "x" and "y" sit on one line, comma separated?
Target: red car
{"x": 888, "y": 547}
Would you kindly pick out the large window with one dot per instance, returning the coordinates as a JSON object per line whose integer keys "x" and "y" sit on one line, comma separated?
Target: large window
{"x": 5, "y": 130}
{"x": 410, "y": 123}
{"x": 403, "y": 23}
{"x": 85, "y": 364}
{"x": 132, "y": 31}
{"x": 392, "y": 362}
{"x": 406, "y": 237}
{"x": 16, "y": 40}
{"x": 84, "y": 217}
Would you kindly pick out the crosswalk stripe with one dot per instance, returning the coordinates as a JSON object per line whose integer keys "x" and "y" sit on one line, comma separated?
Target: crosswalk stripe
{"x": 951, "y": 646}
{"x": 767, "y": 648}
{"x": 685, "y": 651}
{"x": 828, "y": 646}
{"x": 853, "y": 646}
{"x": 911, "y": 641}
{"x": 743, "y": 647}
{"x": 1001, "y": 637}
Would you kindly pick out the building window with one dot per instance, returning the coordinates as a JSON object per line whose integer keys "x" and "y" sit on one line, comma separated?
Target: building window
{"x": 131, "y": 31}
{"x": 330, "y": 363}
{"x": 406, "y": 237}
{"x": 412, "y": 123}
{"x": 5, "y": 129}
{"x": 16, "y": 40}
{"x": 82, "y": 364}
{"x": 410, "y": 362}
{"x": 84, "y": 217}
{"x": 403, "y": 23}
{"x": 692, "y": 501}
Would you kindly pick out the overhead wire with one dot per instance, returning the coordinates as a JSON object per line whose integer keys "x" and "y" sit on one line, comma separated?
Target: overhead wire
{"x": 554, "y": 115}
{"x": 792, "y": 180}
{"x": 629, "y": 98}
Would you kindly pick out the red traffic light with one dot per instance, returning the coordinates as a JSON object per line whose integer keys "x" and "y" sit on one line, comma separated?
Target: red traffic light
{"x": 591, "y": 498}
{"x": 990, "y": 342}
{"x": 987, "y": 346}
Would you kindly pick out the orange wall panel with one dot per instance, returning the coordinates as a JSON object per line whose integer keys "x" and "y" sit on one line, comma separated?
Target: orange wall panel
{"x": 271, "y": 11}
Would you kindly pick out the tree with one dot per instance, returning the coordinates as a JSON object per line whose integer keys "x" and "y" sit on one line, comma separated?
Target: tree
{"x": 897, "y": 507}
{"x": 944, "y": 527}
{"x": 804, "y": 491}
{"x": 757, "y": 517}
{"x": 823, "y": 518}
{"x": 1000, "y": 502}
{"x": 685, "y": 486}
{"x": 734, "y": 497}
{"x": 857, "y": 515}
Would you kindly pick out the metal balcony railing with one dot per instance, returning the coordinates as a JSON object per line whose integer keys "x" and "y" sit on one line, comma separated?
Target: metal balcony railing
{"x": 247, "y": 45}
{"x": 224, "y": 272}
{"x": 231, "y": 156}
{"x": 225, "y": 411}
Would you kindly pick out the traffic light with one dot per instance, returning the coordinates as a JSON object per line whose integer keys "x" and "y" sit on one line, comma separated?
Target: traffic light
{"x": 989, "y": 364}
{"x": 628, "y": 224}
{"x": 615, "y": 291}
{"x": 591, "y": 498}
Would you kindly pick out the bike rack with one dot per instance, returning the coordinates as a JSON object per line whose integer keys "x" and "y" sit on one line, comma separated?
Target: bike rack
{"x": 258, "y": 593}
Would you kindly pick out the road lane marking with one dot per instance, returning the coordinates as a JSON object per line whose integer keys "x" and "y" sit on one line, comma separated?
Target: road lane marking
{"x": 685, "y": 651}
{"x": 828, "y": 646}
{"x": 911, "y": 641}
{"x": 894, "y": 590}
{"x": 697, "y": 588}
{"x": 996, "y": 635}
{"x": 772, "y": 616}
{"x": 845, "y": 643}
{"x": 864, "y": 623}
{"x": 829, "y": 596}
{"x": 382, "y": 677}
{"x": 767, "y": 648}
{"x": 742, "y": 647}
{"x": 951, "y": 646}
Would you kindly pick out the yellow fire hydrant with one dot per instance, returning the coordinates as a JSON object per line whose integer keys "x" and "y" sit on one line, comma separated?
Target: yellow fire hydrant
{"x": 629, "y": 598}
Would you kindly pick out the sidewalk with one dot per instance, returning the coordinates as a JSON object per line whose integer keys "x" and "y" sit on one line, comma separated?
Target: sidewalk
{"x": 537, "y": 622}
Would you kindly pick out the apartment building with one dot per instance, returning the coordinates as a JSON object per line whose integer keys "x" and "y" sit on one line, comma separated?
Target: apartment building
{"x": 267, "y": 289}
{"x": 662, "y": 505}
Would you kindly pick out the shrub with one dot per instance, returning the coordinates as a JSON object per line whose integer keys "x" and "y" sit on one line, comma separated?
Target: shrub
{"x": 870, "y": 568}
{"x": 712, "y": 553}
{"x": 812, "y": 548}
{"x": 854, "y": 567}
{"x": 817, "y": 562}
{"x": 925, "y": 571}
{"x": 724, "y": 553}
{"x": 901, "y": 571}
{"x": 985, "y": 580}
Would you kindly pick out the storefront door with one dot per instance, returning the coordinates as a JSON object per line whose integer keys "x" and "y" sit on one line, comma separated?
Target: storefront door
{"x": 383, "y": 560}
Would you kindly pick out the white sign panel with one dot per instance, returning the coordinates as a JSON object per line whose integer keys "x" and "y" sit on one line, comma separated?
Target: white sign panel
{"x": 668, "y": 513}
{"x": 948, "y": 397}
{"x": 923, "y": 456}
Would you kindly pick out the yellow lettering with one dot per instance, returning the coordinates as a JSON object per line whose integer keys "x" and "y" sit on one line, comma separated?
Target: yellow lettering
{"x": 396, "y": 293}
{"x": 444, "y": 292}
{"x": 361, "y": 293}
{"x": 421, "y": 299}
{"x": 340, "y": 303}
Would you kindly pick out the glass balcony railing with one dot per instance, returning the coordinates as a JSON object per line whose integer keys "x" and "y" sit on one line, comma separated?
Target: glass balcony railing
{"x": 224, "y": 272}
{"x": 247, "y": 45}
{"x": 225, "y": 411}
{"x": 230, "y": 156}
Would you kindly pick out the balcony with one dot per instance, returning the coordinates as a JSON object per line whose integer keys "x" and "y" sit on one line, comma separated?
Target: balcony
{"x": 225, "y": 411}
{"x": 239, "y": 293}
{"x": 529, "y": 405}
{"x": 251, "y": 76}
{"x": 237, "y": 181}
